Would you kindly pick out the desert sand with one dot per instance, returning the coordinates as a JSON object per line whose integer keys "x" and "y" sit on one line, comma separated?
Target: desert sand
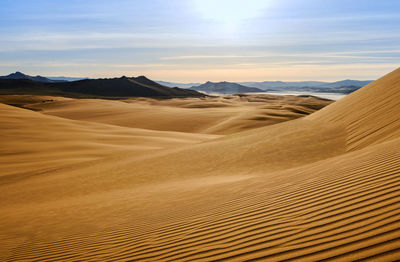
{"x": 236, "y": 178}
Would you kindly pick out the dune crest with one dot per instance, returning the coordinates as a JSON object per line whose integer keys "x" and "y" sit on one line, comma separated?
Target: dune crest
{"x": 371, "y": 114}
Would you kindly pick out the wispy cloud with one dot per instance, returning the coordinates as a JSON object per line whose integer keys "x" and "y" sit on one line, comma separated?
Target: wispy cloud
{"x": 87, "y": 65}
{"x": 191, "y": 57}
{"x": 349, "y": 55}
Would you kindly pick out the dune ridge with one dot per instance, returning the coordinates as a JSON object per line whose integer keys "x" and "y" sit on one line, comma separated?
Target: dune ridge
{"x": 362, "y": 112}
{"x": 322, "y": 187}
{"x": 219, "y": 115}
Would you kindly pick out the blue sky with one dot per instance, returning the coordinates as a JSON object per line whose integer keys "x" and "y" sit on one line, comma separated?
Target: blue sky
{"x": 199, "y": 40}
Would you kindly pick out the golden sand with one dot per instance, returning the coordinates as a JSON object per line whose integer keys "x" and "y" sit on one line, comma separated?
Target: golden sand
{"x": 226, "y": 178}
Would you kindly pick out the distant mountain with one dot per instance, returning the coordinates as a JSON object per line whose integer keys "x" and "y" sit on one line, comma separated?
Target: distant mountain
{"x": 66, "y": 78}
{"x": 347, "y": 82}
{"x": 19, "y": 75}
{"x": 124, "y": 86}
{"x": 344, "y": 86}
{"x": 283, "y": 85}
{"x": 47, "y": 79}
{"x": 225, "y": 88}
{"x": 306, "y": 85}
{"x": 107, "y": 88}
{"x": 181, "y": 85}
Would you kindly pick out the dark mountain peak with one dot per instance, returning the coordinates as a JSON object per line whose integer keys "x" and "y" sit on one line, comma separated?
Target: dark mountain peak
{"x": 142, "y": 78}
{"x": 145, "y": 81}
{"x": 19, "y": 75}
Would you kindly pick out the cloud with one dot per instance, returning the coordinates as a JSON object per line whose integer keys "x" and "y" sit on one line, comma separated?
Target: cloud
{"x": 191, "y": 57}
{"x": 86, "y": 65}
{"x": 346, "y": 55}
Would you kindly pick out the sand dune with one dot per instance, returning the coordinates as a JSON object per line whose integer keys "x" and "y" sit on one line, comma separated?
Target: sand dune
{"x": 221, "y": 115}
{"x": 37, "y": 143}
{"x": 322, "y": 187}
{"x": 346, "y": 211}
{"x": 371, "y": 115}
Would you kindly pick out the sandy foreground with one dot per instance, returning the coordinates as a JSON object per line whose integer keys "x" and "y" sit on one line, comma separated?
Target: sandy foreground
{"x": 236, "y": 178}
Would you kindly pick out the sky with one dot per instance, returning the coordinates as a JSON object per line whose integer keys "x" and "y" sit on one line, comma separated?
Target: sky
{"x": 201, "y": 40}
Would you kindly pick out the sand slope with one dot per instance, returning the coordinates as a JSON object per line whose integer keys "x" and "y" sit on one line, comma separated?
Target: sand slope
{"x": 323, "y": 187}
{"x": 371, "y": 114}
{"x": 36, "y": 143}
{"x": 346, "y": 211}
{"x": 219, "y": 115}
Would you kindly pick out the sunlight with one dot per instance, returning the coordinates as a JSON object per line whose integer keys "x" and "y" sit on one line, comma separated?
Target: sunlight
{"x": 229, "y": 13}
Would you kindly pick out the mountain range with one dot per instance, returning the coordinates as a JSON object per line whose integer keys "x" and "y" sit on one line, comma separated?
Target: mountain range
{"x": 163, "y": 88}
{"x": 19, "y": 76}
{"x": 91, "y": 88}
{"x": 44, "y": 79}
{"x": 305, "y": 84}
{"x": 343, "y": 86}
{"x": 225, "y": 88}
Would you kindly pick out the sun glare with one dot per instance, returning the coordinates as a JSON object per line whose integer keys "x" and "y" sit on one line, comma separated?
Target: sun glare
{"x": 229, "y": 13}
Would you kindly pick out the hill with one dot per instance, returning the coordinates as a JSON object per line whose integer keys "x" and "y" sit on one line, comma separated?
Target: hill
{"x": 225, "y": 88}
{"x": 282, "y": 84}
{"x": 19, "y": 76}
{"x": 344, "y": 86}
{"x": 347, "y": 82}
{"x": 107, "y": 88}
